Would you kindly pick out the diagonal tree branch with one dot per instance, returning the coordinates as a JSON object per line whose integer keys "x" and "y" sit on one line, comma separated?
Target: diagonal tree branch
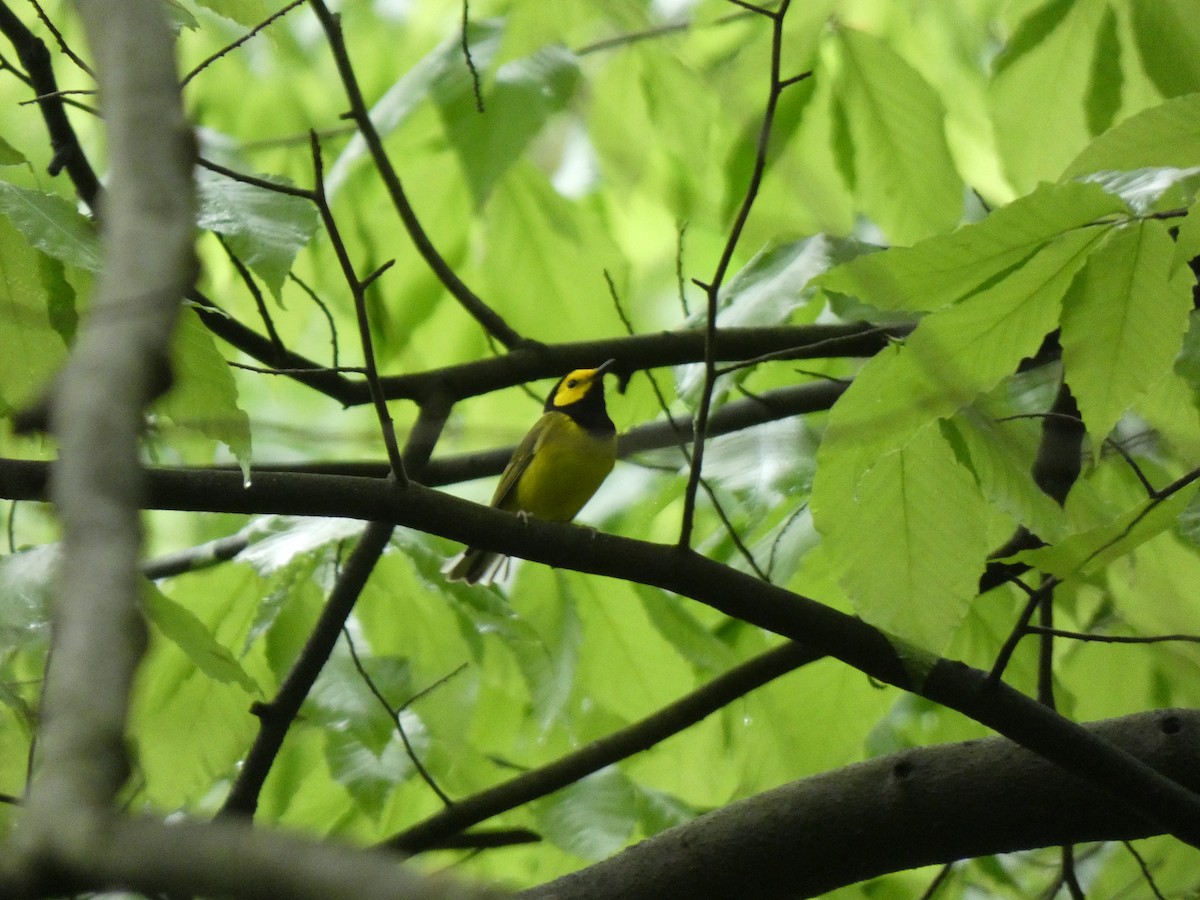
{"x": 642, "y": 735}
{"x": 812, "y": 836}
{"x": 947, "y": 682}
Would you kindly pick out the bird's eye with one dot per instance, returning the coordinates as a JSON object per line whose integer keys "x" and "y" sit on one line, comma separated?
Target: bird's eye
{"x": 574, "y": 382}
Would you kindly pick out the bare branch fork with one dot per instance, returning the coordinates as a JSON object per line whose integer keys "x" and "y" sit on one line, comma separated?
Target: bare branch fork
{"x": 712, "y": 288}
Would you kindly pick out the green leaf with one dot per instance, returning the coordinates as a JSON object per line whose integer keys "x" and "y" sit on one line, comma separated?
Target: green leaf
{"x": 26, "y": 582}
{"x": 204, "y": 397}
{"x": 697, "y": 644}
{"x": 593, "y": 818}
{"x": 60, "y": 299}
{"x": 245, "y": 12}
{"x": 1039, "y": 99}
{"x": 442, "y": 72}
{"x": 32, "y": 352}
{"x": 1162, "y": 136}
{"x": 776, "y": 281}
{"x": 1001, "y": 454}
{"x": 1032, "y": 30}
{"x": 1123, "y": 323}
{"x": 1092, "y": 550}
{"x": 52, "y": 225}
{"x": 1168, "y": 40}
{"x": 905, "y": 177}
{"x": 181, "y": 626}
{"x": 945, "y": 268}
{"x": 265, "y": 229}
{"x": 658, "y": 811}
{"x": 10, "y": 155}
{"x": 526, "y": 94}
{"x": 960, "y": 351}
{"x": 912, "y": 542}
{"x": 1104, "y": 91}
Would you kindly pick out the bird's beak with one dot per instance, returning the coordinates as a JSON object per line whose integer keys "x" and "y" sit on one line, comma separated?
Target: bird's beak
{"x": 605, "y": 367}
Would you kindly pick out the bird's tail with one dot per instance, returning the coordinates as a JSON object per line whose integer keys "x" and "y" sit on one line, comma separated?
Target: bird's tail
{"x": 475, "y": 566}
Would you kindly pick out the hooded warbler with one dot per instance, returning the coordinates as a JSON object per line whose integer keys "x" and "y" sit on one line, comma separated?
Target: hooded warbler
{"x": 556, "y": 468}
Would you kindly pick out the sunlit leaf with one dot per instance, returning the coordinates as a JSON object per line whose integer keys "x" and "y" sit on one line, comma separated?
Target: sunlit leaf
{"x": 10, "y": 155}
{"x": 265, "y": 229}
{"x": 442, "y": 72}
{"x": 26, "y": 580}
{"x": 1091, "y": 550}
{"x": 1168, "y": 40}
{"x": 592, "y": 818}
{"x": 52, "y": 225}
{"x": 904, "y": 175}
{"x": 526, "y": 93}
{"x": 246, "y": 12}
{"x": 912, "y": 541}
{"x": 1123, "y": 323}
{"x": 947, "y": 267}
{"x": 204, "y": 397}
{"x": 1053, "y": 78}
{"x": 32, "y": 350}
{"x": 1002, "y": 457}
{"x": 1162, "y": 136}
{"x": 185, "y": 630}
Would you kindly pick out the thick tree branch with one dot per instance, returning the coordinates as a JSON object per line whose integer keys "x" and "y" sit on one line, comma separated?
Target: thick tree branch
{"x": 912, "y": 808}
{"x": 950, "y": 683}
{"x": 643, "y": 351}
{"x": 225, "y": 859}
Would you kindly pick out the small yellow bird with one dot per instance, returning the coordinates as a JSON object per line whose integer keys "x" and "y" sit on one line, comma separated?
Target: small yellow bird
{"x": 555, "y": 470}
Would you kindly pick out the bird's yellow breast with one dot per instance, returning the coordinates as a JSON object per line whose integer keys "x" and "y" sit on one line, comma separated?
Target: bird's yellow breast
{"x": 567, "y": 465}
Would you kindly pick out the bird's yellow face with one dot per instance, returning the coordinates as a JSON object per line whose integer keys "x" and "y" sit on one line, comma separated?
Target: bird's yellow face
{"x": 575, "y": 386}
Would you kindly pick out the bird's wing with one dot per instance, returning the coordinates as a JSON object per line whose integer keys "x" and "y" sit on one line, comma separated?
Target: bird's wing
{"x": 520, "y": 461}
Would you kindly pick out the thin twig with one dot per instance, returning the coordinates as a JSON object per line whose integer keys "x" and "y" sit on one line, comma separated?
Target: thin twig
{"x": 10, "y": 527}
{"x": 713, "y": 287}
{"x": 491, "y": 321}
{"x": 265, "y": 183}
{"x": 1069, "y": 878}
{"x": 680, "y": 281}
{"x": 662, "y": 403}
{"x": 1145, "y": 870}
{"x": 1113, "y": 638}
{"x": 252, "y": 287}
{"x": 62, "y": 44}
{"x": 636, "y": 738}
{"x": 394, "y": 715}
{"x": 324, "y": 307}
{"x": 430, "y": 688}
{"x": 466, "y": 49}
{"x": 938, "y": 881}
{"x": 229, "y": 48}
{"x": 829, "y": 344}
{"x": 266, "y": 370}
{"x": 358, "y": 291}
{"x": 1019, "y": 630}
